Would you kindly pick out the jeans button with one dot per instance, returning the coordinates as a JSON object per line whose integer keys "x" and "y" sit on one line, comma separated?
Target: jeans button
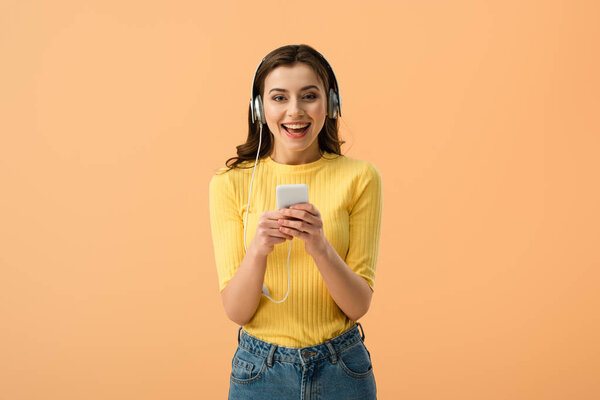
{"x": 307, "y": 354}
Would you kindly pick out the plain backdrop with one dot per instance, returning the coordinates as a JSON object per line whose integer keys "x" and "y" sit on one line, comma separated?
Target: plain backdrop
{"x": 482, "y": 117}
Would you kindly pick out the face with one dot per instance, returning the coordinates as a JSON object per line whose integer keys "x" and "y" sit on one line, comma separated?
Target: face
{"x": 294, "y": 94}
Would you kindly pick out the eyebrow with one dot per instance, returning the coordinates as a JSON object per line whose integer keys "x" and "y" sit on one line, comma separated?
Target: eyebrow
{"x": 304, "y": 88}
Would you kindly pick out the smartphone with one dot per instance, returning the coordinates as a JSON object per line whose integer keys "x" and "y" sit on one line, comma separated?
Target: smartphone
{"x": 288, "y": 195}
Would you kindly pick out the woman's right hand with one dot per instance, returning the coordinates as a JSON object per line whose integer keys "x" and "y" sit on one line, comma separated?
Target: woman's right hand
{"x": 267, "y": 232}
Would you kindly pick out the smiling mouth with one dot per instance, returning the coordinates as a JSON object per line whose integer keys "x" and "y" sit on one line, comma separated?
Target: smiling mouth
{"x": 295, "y": 131}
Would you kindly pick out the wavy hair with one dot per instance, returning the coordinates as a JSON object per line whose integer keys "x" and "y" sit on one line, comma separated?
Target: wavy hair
{"x": 287, "y": 55}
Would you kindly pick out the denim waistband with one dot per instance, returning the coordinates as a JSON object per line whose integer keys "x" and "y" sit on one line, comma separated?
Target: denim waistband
{"x": 300, "y": 355}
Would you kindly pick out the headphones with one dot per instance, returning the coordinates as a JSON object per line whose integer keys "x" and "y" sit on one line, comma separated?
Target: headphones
{"x": 334, "y": 108}
{"x": 334, "y": 100}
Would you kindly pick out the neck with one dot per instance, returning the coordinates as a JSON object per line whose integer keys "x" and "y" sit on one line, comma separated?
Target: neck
{"x": 292, "y": 158}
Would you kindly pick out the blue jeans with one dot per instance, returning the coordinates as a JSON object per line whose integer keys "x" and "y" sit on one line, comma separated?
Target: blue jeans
{"x": 339, "y": 368}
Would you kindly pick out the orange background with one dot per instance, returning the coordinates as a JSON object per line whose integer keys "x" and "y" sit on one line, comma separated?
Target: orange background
{"x": 482, "y": 117}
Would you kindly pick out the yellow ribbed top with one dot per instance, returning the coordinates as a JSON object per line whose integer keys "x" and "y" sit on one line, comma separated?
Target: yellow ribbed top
{"x": 348, "y": 194}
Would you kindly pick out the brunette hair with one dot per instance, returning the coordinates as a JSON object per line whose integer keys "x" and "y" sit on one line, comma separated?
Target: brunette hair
{"x": 287, "y": 55}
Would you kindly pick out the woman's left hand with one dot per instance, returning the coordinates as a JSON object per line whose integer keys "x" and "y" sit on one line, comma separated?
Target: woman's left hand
{"x": 307, "y": 226}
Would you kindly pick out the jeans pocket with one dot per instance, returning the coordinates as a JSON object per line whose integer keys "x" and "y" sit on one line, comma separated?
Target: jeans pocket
{"x": 247, "y": 367}
{"x": 355, "y": 361}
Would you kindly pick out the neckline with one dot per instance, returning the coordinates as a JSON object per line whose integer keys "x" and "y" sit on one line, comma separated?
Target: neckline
{"x": 297, "y": 167}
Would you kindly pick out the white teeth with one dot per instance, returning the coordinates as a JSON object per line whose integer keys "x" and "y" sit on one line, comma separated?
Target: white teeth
{"x": 295, "y": 126}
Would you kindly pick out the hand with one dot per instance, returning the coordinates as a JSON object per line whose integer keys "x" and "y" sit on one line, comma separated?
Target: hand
{"x": 268, "y": 233}
{"x": 303, "y": 221}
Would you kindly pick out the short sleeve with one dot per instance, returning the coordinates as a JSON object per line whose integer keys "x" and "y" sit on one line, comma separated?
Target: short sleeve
{"x": 227, "y": 228}
{"x": 365, "y": 225}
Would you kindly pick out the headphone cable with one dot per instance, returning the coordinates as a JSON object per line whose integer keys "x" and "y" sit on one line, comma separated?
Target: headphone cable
{"x": 265, "y": 289}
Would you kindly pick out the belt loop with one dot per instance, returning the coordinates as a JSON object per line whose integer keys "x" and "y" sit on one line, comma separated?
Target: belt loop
{"x": 270, "y": 356}
{"x": 239, "y": 332}
{"x": 332, "y": 351}
{"x": 361, "y": 329}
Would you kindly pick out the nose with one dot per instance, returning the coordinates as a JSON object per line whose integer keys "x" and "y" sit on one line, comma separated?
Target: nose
{"x": 295, "y": 108}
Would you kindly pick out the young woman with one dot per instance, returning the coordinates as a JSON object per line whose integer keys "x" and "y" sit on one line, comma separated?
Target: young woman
{"x": 306, "y": 344}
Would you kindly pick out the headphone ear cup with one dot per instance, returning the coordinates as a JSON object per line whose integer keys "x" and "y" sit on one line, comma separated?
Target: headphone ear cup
{"x": 332, "y": 104}
{"x": 259, "y": 113}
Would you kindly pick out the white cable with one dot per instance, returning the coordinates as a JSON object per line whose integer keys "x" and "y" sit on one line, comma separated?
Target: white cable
{"x": 246, "y": 220}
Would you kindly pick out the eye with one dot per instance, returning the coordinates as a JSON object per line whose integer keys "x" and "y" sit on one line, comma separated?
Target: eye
{"x": 313, "y": 96}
